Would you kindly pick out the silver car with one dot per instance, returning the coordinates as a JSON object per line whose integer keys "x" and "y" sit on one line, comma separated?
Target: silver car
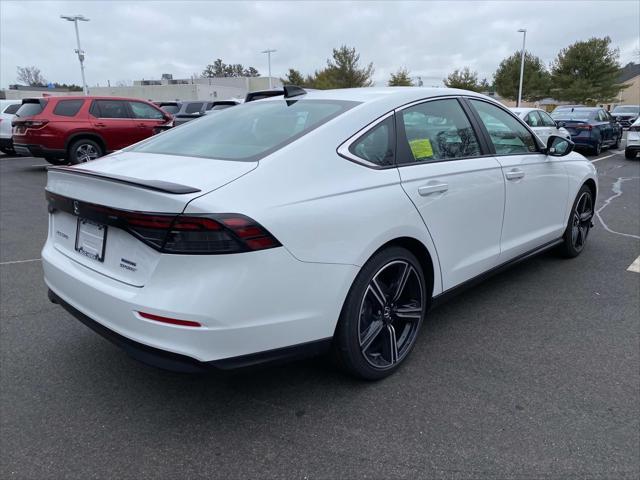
{"x": 541, "y": 123}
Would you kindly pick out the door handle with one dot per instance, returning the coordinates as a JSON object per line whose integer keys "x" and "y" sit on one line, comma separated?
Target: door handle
{"x": 432, "y": 188}
{"x": 515, "y": 174}
{"x": 99, "y": 124}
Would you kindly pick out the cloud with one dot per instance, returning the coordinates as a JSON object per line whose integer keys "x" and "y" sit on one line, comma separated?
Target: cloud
{"x": 134, "y": 40}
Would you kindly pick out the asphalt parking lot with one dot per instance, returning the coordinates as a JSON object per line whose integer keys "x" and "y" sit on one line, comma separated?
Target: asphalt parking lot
{"x": 533, "y": 374}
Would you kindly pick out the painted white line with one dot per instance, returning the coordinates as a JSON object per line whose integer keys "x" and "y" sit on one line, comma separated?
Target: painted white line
{"x": 617, "y": 191}
{"x": 602, "y": 158}
{"x": 21, "y": 261}
{"x": 635, "y": 266}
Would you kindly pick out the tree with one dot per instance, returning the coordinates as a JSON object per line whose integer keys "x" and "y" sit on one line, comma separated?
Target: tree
{"x": 221, "y": 69}
{"x": 31, "y": 76}
{"x": 535, "y": 81}
{"x": 343, "y": 71}
{"x": 464, "y": 79}
{"x": 587, "y": 72}
{"x": 400, "y": 79}
{"x": 293, "y": 77}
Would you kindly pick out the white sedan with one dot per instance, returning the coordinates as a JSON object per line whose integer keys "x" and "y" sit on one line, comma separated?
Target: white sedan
{"x": 292, "y": 225}
{"x": 541, "y": 123}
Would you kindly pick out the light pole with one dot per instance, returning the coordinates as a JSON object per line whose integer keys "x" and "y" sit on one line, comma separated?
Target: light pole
{"x": 74, "y": 19}
{"x": 269, "y": 51}
{"x": 524, "y": 39}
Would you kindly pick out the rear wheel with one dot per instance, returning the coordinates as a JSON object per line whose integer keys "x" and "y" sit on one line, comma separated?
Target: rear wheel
{"x": 84, "y": 150}
{"x": 575, "y": 236}
{"x": 7, "y": 151}
{"x": 629, "y": 154}
{"x": 617, "y": 144}
{"x": 382, "y": 315}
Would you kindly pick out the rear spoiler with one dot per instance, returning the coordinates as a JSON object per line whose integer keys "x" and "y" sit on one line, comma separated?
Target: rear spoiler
{"x": 156, "y": 185}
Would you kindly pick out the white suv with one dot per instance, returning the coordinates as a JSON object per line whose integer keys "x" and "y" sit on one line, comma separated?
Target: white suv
{"x": 8, "y": 109}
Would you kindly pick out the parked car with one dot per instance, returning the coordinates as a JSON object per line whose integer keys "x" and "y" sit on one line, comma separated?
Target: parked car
{"x": 8, "y": 109}
{"x": 561, "y": 108}
{"x": 541, "y": 123}
{"x": 190, "y": 111}
{"x": 346, "y": 234}
{"x": 222, "y": 105}
{"x": 260, "y": 94}
{"x": 625, "y": 115}
{"x": 590, "y": 127}
{"x": 79, "y": 129}
{"x": 170, "y": 107}
{"x": 633, "y": 140}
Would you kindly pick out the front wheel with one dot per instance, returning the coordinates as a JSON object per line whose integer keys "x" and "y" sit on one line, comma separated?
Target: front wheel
{"x": 598, "y": 148}
{"x": 382, "y": 315}
{"x": 84, "y": 150}
{"x": 629, "y": 154}
{"x": 617, "y": 144}
{"x": 575, "y": 235}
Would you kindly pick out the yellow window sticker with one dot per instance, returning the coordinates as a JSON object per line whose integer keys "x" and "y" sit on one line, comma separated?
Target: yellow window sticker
{"x": 421, "y": 148}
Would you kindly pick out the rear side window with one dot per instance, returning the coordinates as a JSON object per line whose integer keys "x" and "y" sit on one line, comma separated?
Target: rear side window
{"x": 508, "y": 135}
{"x": 438, "y": 130}
{"x": 248, "y": 132}
{"x": 12, "y": 109}
{"x": 68, "y": 108}
{"x": 193, "y": 108}
{"x": 31, "y": 108}
{"x": 533, "y": 119}
{"x": 109, "y": 109}
{"x": 144, "y": 110}
{"x": 377, "y": 145}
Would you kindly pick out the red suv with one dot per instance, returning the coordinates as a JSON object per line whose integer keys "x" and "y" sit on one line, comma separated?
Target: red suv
{"x": 79, "y": 129}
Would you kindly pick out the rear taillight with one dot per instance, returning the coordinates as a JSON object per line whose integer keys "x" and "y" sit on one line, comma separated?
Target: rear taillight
{"x": 180, "y": 234}
{"x": 584, "y": 127}
{"x": 30, "y": 123}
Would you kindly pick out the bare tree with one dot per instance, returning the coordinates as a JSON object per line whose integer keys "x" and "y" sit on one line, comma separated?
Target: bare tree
{"x": 31, "y": 76}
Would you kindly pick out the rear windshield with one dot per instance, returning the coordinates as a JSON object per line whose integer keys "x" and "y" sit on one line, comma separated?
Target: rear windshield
{"x": 221, "y": 106}
{"x": 247, "y": 132}
{"x": 31, "y": 108}
{"x": 193, "y": 107}
{"x": 627, "y": 109}
{"x": 172, "y": 109}
{"x": 579, "y": 115}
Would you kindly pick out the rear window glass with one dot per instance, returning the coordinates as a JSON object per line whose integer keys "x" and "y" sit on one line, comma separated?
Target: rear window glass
{"x": 247, "y": 132}
{"x": 580, "y": 115}
{"x": 30, "y": 109}
{"x": 221, "y": 106}
{"x": 12, "y": 109}
{"x": 172, "y": 109}
{"x": 626, "y": 109}
{"x": 193, "y": 108}
{"x": 68, "y": 108}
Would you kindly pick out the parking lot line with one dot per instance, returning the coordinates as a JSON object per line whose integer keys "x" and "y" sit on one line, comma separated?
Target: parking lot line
{"x": 635, "y": 266}
{"x": 21, "y": 261}
{"x": 602, "y": 158}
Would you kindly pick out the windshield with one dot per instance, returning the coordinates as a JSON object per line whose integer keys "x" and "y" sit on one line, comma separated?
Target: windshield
{"x": 627, "y": 109}
{"x": 247, "y": 132}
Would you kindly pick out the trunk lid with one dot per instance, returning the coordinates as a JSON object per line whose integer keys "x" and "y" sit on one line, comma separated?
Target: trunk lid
{"x": 139, "y": 182}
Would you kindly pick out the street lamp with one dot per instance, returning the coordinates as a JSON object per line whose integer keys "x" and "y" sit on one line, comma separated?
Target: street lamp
{"x": 269, "y": 52}
{"x": 524, "y": 39}
{"x": 79, "y": 51}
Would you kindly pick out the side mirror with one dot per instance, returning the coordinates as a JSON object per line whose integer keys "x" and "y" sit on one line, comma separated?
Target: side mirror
{"x": 560, "y": 124}
{"x": 559, "y": 146}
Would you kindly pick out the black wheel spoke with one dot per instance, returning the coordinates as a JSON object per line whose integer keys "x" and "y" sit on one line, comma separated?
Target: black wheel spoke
{"x": 372, "y": 333}
{"x": 406, "y": 271}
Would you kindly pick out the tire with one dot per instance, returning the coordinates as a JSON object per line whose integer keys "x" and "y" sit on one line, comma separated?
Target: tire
{"x": 375, "y": 317}
{"x": 629, "y": 154}
{"x": 56, "y": 161}
{"x": 579, "y": 224}
{"x": 617, "y": 144}
{"x": 7, "y": 151}
{"x": 84, "y": 150}
{"x": 597, "y": 150}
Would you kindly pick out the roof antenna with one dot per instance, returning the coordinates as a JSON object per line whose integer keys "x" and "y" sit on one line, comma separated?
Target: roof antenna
{"x": 293, "y": 91}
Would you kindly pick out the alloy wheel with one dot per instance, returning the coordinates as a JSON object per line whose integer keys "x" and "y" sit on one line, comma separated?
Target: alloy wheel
{"x": 390, "y": 314}
{"x": 86, "y": 152}
{"x": 581, "y": 222}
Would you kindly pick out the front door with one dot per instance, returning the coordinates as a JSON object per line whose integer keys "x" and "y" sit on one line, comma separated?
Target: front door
{"x": 111, "y": 120}
{"x": 147, "y": 119}
{"x": 536, "y": 185}
{"x": 458, "y": 191}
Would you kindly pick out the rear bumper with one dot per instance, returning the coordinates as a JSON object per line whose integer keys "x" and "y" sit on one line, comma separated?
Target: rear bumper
{"x": 33, "y": 150}
{"x": 264, "y": 306}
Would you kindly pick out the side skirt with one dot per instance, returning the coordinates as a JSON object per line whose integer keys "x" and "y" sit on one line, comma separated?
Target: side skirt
{"x": 452, "y": 292}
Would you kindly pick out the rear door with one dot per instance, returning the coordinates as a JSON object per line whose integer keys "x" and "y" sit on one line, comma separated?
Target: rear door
{"x": 456, "y": 185}
{"x": 112, "y": 121}
{"x": 606, "y": 129}
{"x": 536, "y": 185}
{"x": 147, "y": 119}
{"x": 549, "y": 123}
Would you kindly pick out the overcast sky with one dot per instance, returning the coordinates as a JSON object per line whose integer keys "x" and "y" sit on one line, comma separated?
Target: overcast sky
{"x": 126, "y": 41}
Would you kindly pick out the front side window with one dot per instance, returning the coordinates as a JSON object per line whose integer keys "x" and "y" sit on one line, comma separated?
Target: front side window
{"x": 532, "y": 119}
{"x": 68, "y": 108}
{"x": 247, "y": 132}
{"x": 438, "y": 130}
{"x": 547, "y": 121}
{"x": 377, "y": 145}
{"x": 507, "y": 134}
{"x": 109, "y": 109}
{"x": 143, "y": 110}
